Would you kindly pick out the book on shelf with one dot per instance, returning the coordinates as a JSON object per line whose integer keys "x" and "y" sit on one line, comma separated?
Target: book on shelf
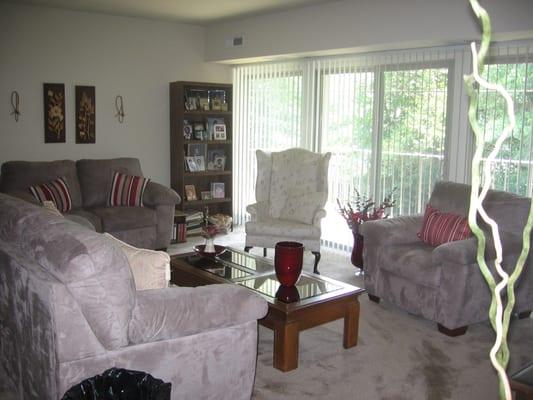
{"x": 189, "y": 216}
{"x": 179, "y": 232}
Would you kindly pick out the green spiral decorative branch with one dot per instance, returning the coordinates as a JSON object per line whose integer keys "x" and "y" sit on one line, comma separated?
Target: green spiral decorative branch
{"x": 499, "y": 316}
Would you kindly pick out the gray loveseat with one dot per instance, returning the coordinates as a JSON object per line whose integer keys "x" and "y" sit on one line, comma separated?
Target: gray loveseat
{"x": 444, "y": 283}
{"x": 69, "y": 310}
{"x": 89, "y": 182}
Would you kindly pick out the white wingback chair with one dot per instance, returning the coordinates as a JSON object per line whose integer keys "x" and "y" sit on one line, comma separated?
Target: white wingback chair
{"x": 291, "y": 191}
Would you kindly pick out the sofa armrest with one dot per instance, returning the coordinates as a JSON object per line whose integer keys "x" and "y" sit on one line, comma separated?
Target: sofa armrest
{"x": 459, "y": 252}
{"x": 258, "y": 211}
{"x": 176, "y": 312}
{"x": 157, "y": 194}
{"x": 24, "y": 195}
{"x": 318, "y": 217}
{"x": 465, "y": 251}
{"x": 398, "y": 230}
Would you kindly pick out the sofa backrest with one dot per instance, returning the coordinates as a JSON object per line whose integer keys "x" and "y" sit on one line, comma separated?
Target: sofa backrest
{"x": 95, "y": 271}
{"x": 96, "y": 175}
{"x": 20, "y": 175}
{"x": 291, "y": 172}
{"x": 509, "y": 210}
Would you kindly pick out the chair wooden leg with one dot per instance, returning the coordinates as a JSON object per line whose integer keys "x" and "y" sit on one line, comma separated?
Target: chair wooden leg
{"x": 317, "y": 259}
{"x": 264, "y": 251}
{"x": 452, "y": 332}
{"x": 374, "y": 298}
{"x": 247, "y": 248}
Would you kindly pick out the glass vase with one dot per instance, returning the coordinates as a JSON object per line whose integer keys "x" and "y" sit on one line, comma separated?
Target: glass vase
{"x": 357, "y": 250}
{"x": 209, "y": 245}
{"x": 288, "y": 261}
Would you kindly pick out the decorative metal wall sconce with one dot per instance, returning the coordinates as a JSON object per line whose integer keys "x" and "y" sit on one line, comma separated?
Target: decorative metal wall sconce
{"x": 119, "y": 106}
{"x": 15, "y": 104}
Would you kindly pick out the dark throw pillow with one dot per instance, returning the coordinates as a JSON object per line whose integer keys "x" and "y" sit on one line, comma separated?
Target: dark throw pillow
{"x": 55, "y": 191}
{"x": 127, "y": 190}
{"x": 439, "y": 228}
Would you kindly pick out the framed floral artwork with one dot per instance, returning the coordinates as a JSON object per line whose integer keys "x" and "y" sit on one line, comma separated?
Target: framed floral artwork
{"x": 85, "y": 114}
{"x": 54, "y": 112}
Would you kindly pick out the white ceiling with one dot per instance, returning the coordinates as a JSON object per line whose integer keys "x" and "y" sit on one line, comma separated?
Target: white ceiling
{"x": 200, "y": 12}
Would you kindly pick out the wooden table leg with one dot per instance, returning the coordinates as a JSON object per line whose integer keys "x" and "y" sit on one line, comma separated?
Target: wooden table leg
{"x": 286, "y": 338}
{"x": 351, "y": 324}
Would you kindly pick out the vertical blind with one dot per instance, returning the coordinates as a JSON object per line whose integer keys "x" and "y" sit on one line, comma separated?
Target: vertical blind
{"x": 385, "y": 117}
{"x": 267, "y": 116}
{"x": 512, "y": 67}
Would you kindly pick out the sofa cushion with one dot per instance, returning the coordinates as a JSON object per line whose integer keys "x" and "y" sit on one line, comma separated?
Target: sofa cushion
{"x": 150, "y": 268}
{"x": 20, "y": 175}
{"x": 55, "y": 191}
{"x": 274, "y": 227}
{"x": 124, "y": 218}
{"x": 127, "y": 190}
{"x": 95, "y": 272}
{"x": 96, "y": 175}
{"x": 412, "y": 262}
{"x": 94, "y": 219}
{"x": 439, "y": 228}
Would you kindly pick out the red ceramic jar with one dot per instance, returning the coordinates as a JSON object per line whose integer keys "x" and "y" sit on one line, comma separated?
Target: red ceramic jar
{"x": 288, "y": 260}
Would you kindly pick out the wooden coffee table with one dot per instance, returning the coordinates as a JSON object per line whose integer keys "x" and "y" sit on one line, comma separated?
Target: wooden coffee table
{"x": 315, "y": 300}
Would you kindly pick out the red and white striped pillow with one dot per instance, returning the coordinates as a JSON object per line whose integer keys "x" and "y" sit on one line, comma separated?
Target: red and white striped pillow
{"x": 55, "y": 191}
{"x": 439, "y": 227}
{"x": 127, "y": 190}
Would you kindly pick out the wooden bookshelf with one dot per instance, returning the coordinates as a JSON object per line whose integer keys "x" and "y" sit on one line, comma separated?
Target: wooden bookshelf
{"x": 181, "y": 94}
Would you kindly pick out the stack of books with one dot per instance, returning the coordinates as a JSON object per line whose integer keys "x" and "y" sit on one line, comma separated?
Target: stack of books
{"x": 179, "y": 234}
{"x": 194, "y": 222}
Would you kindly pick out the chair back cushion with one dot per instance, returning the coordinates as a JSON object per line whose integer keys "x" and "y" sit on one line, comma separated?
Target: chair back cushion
{"x": 20, "y": 175}
{"x": 293, "y": 172}
{"x": 96, "y": 272}
{"x": 451, "y": 197}
{"x": 96, "y": 177}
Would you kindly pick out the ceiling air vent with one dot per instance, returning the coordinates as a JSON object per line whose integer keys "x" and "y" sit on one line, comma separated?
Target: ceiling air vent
{"x": 237, "y": 41}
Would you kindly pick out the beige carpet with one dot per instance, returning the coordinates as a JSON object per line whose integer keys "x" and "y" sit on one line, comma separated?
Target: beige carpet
{"x": 399, "y": 356}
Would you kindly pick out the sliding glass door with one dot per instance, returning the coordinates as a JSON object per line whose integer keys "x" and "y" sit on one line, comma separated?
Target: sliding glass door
{"x": 413, "y": 132}
{"x": 385, "y": 128}
{"x": 513, "y": 169}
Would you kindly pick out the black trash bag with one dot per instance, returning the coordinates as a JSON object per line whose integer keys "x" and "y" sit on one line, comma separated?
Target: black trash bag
{"x": 120, "y": 384}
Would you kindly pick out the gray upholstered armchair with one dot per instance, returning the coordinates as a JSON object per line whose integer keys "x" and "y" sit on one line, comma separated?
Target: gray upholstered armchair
{"x": 291, "y": 191}
{"x": 444, "y": 283}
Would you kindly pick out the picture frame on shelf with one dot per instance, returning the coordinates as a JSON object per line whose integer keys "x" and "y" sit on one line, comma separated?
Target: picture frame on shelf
{"x": 191, "y": 164}
{"x": 196, "y": 149}
{"x": 199, "y": 131}
{"x": 204, "y": 103}
{"x": 218, "y": 190}
{"x": 211, "y": 122}
{"x": 219, "y": 163}
{"x": 219, "y": 131}
{"x": 187, "y": 130}
{"x": 206, "y": 195}
{"x": 211, "y": 155}
{"x": 190, "y": 193}
{"x": 217, "y": 98}
{"x": 200, "y": 162}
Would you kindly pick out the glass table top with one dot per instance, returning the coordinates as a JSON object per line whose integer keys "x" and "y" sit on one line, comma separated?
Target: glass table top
{"x": 306, "y": 287}
{"x": 257, "y": 273}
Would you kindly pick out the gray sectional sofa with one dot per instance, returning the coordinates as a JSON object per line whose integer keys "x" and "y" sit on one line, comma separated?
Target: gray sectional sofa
{"x": 69, "y": 310}
{"x": 444, "y": 283}
{"x": 89, "y": 182}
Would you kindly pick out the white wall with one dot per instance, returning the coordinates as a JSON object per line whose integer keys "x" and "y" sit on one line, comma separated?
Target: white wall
{"x": 365, "y": 25}
{"x": 134, "y": 57}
